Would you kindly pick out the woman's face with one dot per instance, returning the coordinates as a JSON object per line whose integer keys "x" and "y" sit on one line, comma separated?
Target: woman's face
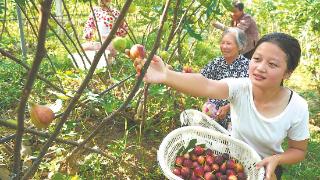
{"x": 268, "y": 65}
{"x": 229, "y": 47}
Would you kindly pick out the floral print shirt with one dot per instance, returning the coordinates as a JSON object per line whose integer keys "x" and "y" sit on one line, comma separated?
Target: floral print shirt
{"x": 105, "y": 20}
{"x": 219, "y": 69}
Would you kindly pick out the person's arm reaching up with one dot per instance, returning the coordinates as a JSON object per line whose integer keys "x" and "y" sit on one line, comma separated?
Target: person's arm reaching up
{"x": 190, "y": 83}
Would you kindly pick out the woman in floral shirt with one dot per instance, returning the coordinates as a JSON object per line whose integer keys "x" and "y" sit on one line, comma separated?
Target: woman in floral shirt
{"x": 230, "y": 64}
{"x": 105, "y": 17}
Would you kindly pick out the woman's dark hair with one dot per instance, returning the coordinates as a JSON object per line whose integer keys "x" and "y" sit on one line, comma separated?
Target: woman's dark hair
{"x": 288, "y": 44}
{"x": 238, "y": 5}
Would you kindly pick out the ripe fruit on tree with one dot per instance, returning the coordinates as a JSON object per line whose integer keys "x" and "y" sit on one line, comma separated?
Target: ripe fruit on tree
{"x": 119, "y": 43}
{"x": 187, "y": 69}
{"x": 41, "y": 116}
{"x": 137, "y": 51}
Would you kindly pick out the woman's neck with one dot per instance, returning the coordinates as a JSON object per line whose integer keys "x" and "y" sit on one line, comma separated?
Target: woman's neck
{"x": 230, "y": 60}
{"x": 263, "y": 95}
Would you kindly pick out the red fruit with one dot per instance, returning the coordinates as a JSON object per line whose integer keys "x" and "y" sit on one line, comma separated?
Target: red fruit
{"x": 176, "y": 171}
{"x": 41, "y": 116}
{"x": 137, "y": 51}
{"x": 194, "y": 177}
{"x": 179, "y": 160}
{"x": 238, "y": 168}
{"x": 187, "y": 69}
{"x": 209, "y": 176}
{"x": 223, "y": 167}
{"x": 207, "y": 168}
{"x": 185, "y": 172}
{"x": 218, "y": 175}
{"x": 209, "y": 152}
{"x": 198, "y": 150}
{"x": 209, "y": 160}
{"x": 195, "y": 164}
{"x": 230, "y": 172}
{"x": 219, "y": 159}
{"x": 226, "y": 156}
{"x": 232, "y": 177}
{"x": 201, "y": 160}
{"x": 187, "y": 163}
{"x": 231, "y": 164}
{"x": 215, "y": 167}
{"x": 186, "y": 156}
{"x": 199, "y": 171}
{"x": 223, "y": 177}
{"x": 193, "y": 157}
{"x": 241, "y": 176}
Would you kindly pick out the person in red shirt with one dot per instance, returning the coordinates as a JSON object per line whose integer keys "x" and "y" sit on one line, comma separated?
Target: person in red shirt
{"x": 245, "y": 22}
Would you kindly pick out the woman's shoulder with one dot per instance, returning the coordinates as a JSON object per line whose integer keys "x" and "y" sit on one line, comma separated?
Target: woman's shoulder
{"x": 299, "y": 101}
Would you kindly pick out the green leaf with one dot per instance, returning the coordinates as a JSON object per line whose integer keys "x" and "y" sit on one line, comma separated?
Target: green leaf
{"x": 191, "y": 32}
{"x": 191, "y": 145}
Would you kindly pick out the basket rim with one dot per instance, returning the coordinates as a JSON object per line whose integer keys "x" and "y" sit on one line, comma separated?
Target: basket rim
{"x": 161, "y": 151}
{"x": 210, "y": 120}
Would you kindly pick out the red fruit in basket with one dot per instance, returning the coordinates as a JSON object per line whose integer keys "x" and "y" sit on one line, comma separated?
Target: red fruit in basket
{"x": 176, "y": 171}
{"x": 186, "y": 156}
{"x": 232, "y": 177}
{"x": 218, "y": 175}
{"x": 209, "y": 160}
{"x": 209, "y": 176}
{"x": 195, "y": 164}
{"x": 199, "y": 171}
{"x": 223, "y": 177}
{"x": 231, "y": 164}
{"x": 187, "y": 163}
{"x": 193, "y": 157}
{"x": 194, "y": 177}
{"x": 241, "y": 176}
{"x": 219, "y": 159}
{"x": 209, "y": 152}
{"x": 201, "y": 160}
{"x": 226, "y": 156}
{"x": 238, "y": 168}
{"x": 185, "y": 172}
{"x": 207, "y": 168}
{"x": 230, "y": 172}
{"x": 179, "y": 160}
{"x": 215, "y": 167}
{"x": 198, "y": 150}
{"x": 223, "y": 167}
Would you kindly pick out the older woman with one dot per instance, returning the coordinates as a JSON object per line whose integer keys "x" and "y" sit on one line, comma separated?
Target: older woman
{"x": 230, "y": 64}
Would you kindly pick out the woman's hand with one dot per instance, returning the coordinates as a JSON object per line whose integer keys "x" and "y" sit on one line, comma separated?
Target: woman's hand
{"x": 222, "y": 112}
{"x": 156, "y": 72}
{"x": 270, "y": 163}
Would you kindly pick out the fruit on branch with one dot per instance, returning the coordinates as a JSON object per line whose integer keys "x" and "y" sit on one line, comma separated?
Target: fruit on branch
{"x": 41, "y": 116}
{"x": 132, "y": 8}
{"x": 137, "y": 51}
{"x": 187, "y": 69}
{"x": 119, "y": 43}
{"x": 164, "y": 55}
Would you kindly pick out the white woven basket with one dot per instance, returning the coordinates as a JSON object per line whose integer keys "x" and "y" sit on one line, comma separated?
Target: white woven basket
{"x": 219, "y": 143}
{"x": 192, "y": 117}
